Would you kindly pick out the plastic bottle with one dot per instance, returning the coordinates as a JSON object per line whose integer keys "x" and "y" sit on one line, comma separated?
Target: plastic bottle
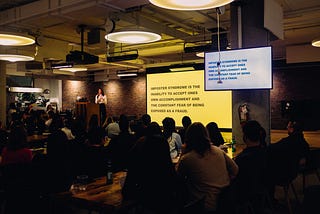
{"x": 109, "y": 174}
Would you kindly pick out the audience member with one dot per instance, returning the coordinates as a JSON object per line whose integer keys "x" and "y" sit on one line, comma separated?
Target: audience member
{"x": 96, "y": 134}
{"x": 285, "y": 156}
{"x": 67, "y": 129}
{"x": 112, "y": 128}
{"x": 94, "y": 159}
{"x": 56, "y": 124}
{"x": 249, "y": 185}
{"x": 16, "y": 150}
{"x": 173, "y": 138}
{"x": 141, "y": 125}
{"x": 206, "y": 168}
{"x": 121, "y": 145}
{"x": 155, "y": 187}
{"x": 12, "y": 109}
{"x": 79, "y": 131}
{"x": 186, "y": 122}
{"x": 55, "y": 168}
{"x": 48, "y": 122}
{"x": 215, "y": 134}
{"x": 3, "y": 137}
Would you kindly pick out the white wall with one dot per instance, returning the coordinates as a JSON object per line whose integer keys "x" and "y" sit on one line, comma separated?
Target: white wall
{"x": 55, "y": 87}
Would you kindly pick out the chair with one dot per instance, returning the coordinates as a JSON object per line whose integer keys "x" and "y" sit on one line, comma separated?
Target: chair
{"x": 194, "y": 207}
{"x": 311, "y": 199}
{"x": 311, "y": 166}
{"x": 286, "y": 187}
{"x": 19, "y": 188}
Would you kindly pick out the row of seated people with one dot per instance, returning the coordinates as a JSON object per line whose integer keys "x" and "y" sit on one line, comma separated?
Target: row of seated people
{"x": 53, "y": 172}
{"x": 206, "y": 174}
{"x": 203, "y": 171}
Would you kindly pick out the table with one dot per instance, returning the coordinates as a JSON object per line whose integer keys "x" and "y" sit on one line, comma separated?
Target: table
{"x": 98, "y": 196}
{"x": 239, "y": 148}
{"x": 36, "y": 141}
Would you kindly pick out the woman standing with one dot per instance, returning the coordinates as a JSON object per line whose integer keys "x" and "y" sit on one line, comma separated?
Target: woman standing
{"x": 101, "y": 99}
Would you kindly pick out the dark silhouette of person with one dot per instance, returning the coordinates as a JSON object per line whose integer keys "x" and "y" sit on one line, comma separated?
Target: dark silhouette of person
{"x": 215, "y": 134}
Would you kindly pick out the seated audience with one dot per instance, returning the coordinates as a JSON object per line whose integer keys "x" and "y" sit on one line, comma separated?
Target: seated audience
{"x": 67, "y": 129}
{"x": 95, "y": 154}
{"x": 95, "y": 132}
{"x": 215, "y": 134}
{"x": 249, "y": 185}
{"x": 12, "y": 109}
{"x": 205, "y": 168}
{"x": 79, "y": 131}
{"x": 17, "y": 175}
{"x": 54, "y": 169}
{"x": 48, "y": 122}
{"x": 186, "y": 122}
{"x": 284, "y": 157}
{"x": 173, "y": 138}
{"x": 154, "y": 187}
{"x": 141, "y": 126}
{"x": 111, "y": 127}
{"x": 3, "y": 137}
{"x": 16, "y": 150}
{"x": 121, "y": 145}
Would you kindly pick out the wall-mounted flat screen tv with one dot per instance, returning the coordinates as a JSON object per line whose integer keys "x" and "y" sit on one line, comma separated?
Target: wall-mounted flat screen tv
{"x": 239, "y": 69}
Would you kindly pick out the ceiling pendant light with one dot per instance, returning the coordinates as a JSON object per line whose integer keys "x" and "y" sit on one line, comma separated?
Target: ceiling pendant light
{"x": 74, "y": 69}
{"x": 133, "y": 37}
{"x": 316, "y": 43}
{"x": 189, "y": 4}
{"x": 15, "y": 58}
{"x": 13, "y": 39}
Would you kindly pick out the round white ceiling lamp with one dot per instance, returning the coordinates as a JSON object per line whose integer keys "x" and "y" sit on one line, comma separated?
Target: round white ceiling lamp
{"x": 13, "y": 39}
{"x": 200, "y": 54}
{"x": 133, "y": 37}
{"x": 189, "y": 4}
{"x": 15, "y": 58}
{"x": 316, "y": 43}
{"x": 74, "y": 69}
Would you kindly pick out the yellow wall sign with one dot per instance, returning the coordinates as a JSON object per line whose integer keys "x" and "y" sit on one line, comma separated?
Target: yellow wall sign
{"x": 177, "y": 94}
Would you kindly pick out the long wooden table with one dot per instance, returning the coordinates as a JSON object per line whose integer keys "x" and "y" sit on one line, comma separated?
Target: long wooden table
{"x": 98, "y": 196}
{"x": 36, "y": 141}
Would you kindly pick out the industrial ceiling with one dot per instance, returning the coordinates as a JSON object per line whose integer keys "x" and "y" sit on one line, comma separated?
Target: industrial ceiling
{"x": 61, "y": 26}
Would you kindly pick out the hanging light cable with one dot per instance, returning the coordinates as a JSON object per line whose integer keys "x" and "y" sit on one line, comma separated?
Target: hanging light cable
{"x": 219, "y": 61}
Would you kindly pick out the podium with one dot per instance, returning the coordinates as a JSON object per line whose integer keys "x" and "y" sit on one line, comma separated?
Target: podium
{"x": 86, "y": 109}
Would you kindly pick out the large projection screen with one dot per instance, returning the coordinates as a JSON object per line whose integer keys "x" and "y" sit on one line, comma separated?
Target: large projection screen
{"x": 177, "y": 94}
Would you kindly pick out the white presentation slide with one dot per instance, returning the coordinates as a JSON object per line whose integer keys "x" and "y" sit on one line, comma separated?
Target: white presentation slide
{"x": 239, "y": 69}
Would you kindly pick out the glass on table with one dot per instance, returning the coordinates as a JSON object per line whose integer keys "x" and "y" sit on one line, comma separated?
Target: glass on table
{"x": 80, "y": 183}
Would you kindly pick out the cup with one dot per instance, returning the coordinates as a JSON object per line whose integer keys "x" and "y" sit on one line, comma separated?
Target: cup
{"x": 81, "y": 182}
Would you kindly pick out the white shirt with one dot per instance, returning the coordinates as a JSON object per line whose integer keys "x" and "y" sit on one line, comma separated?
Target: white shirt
{"x": 68, "y": 132}
{"x": 100, "y": 99}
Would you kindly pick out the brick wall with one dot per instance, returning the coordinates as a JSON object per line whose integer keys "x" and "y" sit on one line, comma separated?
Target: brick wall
{"x": 124, "y": 96}
{"x": 296, "y": 83}
{"x": 72, "y": 89}
{"x": 299, "y": 85}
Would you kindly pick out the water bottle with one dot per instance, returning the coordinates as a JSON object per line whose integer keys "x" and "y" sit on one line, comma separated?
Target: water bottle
{"x": 109, "y": 175}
